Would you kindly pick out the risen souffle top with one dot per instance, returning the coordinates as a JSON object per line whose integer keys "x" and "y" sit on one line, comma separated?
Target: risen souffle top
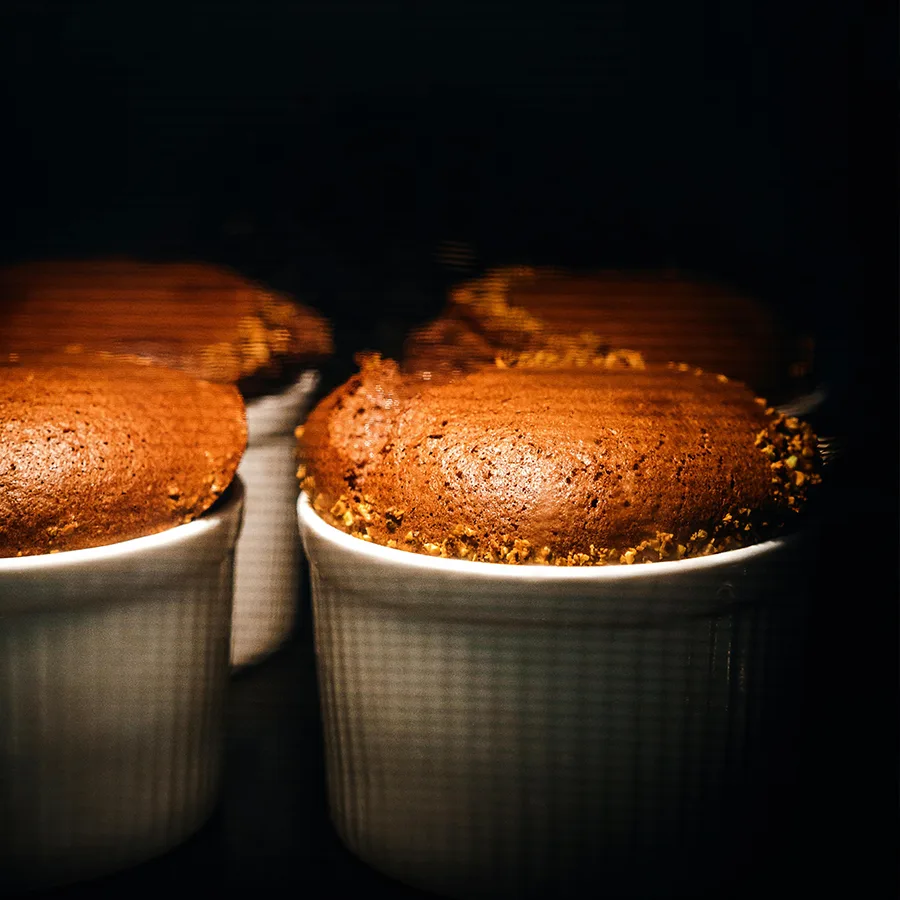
{"x": 94, "y": 451}
{"x": 576, "y": 465}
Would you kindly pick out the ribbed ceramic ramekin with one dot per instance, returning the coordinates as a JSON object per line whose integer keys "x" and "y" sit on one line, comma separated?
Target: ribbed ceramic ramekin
{"x": 113, "y": 671}
{"x": 520, "y": 730}
{"x": 268, "y": 561}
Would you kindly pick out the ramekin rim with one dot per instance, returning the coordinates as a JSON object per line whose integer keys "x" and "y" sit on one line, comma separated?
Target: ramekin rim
{"x": 296, "y": 392}
{"x": 418, "y": 561}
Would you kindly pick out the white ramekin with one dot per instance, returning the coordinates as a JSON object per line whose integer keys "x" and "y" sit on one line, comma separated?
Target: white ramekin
{"x": 113, "y": 671}
{"x": 510, "y": 730}
{"x": 268, "y": 560}
{"x": 806, "y": 405}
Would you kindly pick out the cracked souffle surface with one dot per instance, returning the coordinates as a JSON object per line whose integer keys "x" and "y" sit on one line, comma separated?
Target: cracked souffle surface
{"x": 591, "y": 464}
{"x": 96, "y": 451}
{"x": 206, "y": 320}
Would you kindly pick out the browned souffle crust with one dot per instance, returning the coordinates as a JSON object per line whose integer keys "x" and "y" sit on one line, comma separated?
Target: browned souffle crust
{"x": 206, "y": 320}
{"x": 576, "y": 465}
{"x": 100, "y": 451}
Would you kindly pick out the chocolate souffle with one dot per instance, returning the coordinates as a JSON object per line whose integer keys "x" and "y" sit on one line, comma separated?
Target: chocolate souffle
{"x": 98, "y": 450}
{"x": 200, "y": 318}
{"x": 665, "y": 317}
{"x": 569, "y": 461}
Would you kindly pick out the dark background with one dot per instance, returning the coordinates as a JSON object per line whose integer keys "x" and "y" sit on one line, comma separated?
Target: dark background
{"x": 329, "y": 148}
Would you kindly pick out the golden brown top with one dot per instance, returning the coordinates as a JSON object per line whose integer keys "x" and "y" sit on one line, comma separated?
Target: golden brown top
{"x": 572, "y": 466}
{"x": 98, "y": 451}
{"x": 203, "y": 319}
{"x": 662, "y": 317}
